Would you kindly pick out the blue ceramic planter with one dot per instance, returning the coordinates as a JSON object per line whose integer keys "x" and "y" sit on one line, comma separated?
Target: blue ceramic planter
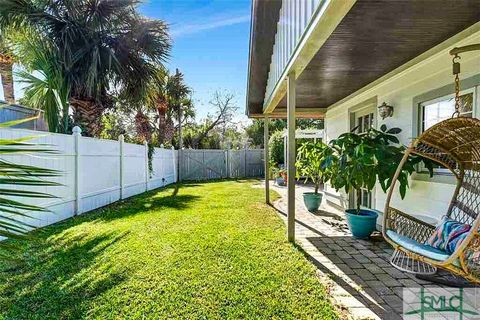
{"x": 280, "y": 181}
{"x": 312, "y": 200}
{"x": 361, "y": 223}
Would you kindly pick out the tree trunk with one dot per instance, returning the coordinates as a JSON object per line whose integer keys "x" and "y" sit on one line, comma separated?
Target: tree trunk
{"x": 6, "y": 73}
{"x": 87, "y": 113}
{"x": 142, "y": 126}
{"x": 162, "y": 120}
{"x": 359, "y": 199}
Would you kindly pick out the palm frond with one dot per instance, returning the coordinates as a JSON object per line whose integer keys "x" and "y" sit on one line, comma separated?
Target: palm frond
{"x": 17, "y": 184}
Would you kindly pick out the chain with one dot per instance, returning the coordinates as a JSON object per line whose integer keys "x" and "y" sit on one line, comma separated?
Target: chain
{"x": 456, "y": 72}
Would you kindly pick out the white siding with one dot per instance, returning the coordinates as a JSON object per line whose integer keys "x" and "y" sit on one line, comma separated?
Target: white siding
{"x": 399, "y": 90}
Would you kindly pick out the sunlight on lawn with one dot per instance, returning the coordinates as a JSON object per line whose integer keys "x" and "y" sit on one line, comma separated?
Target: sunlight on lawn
{"x": 212, "y": 251}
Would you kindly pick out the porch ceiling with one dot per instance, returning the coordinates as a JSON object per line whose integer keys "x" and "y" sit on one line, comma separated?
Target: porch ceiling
{"x": 374, "y": 38}
{"x": 265, "y": 15}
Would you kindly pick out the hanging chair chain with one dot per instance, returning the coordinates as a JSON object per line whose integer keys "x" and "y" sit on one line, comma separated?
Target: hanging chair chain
{"x": 456, "y": 72}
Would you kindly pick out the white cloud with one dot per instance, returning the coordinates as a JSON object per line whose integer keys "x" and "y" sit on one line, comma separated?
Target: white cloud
{"x": 214, "y": 24}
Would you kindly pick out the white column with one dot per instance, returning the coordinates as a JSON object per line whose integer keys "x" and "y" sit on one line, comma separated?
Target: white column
{"x": 266, "y": 160}
{"x": 291, "y": 156}
{"x": 121, "y": 141}
{"x": 77, "y": 134}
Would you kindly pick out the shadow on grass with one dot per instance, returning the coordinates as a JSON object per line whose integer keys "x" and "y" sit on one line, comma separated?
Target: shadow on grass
{"x": 57, "y": 274}
{"x": 58, "y": 278}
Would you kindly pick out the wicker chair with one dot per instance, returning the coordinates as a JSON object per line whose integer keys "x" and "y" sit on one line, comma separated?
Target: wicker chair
{"x": 455, "y": 144}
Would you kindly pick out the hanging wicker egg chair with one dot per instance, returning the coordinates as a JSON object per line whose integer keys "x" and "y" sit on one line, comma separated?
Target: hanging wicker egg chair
{"x": 454, "y": 144}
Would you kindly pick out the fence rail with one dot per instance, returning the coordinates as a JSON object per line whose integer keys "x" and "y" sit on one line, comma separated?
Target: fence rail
{"x": 98, "y": 172}
{"x": 94, "y": 172}
{"x": 217, "y": 164}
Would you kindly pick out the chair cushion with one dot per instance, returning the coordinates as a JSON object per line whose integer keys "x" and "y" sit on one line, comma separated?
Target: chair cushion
{"x": 417, "y": 247}
{"x": 448, "y": 235}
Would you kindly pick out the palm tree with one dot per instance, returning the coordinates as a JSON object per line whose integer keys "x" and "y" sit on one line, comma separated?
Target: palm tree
{"x": 167, "y": 95}
{"x": 6, "y": 70}
{"x": 104, "y": 45}
{"x": 49, "y": 91}
{"x": 178, "y": 98}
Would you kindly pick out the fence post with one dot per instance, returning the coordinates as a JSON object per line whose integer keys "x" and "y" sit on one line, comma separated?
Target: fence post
{"x": 205, "y": 170}
{"x": 121, "y": 140}
{"x": 245, "y": 151}
{"x": 77, "y": 133}
{"x": 175, "y": 175}
{"x": 227, "y": 163}
{"x": 145, "y": 143}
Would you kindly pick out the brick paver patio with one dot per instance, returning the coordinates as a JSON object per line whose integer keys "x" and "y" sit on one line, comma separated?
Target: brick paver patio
{"x": 357, "y": 272}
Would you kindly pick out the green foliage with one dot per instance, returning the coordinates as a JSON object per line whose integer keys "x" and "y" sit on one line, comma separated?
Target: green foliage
{"x": 100, "y": 47}
{"x": 354, "y": 161}
{"x": 196, "y": 255}
{"x": 150, "y": 154}
{"x": 309, "y": 162}
{"x": 276, "y": 148}
{"x": 12, "y": 211}
{"x": 255, "y": 130}
{"x": 49, "y": 90}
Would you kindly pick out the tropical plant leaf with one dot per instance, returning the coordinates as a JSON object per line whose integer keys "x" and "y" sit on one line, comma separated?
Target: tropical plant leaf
{"x": 14, "y": 208}
{"x": 394, "y": 131}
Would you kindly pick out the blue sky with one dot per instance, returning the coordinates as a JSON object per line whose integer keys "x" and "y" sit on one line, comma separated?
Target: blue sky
{"x": 210, "y": 45}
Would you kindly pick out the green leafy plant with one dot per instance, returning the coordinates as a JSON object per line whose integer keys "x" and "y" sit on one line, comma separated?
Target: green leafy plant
{"x": 309, "y": 162}
{"x": 13, "y": 212}
{"x": 276, "y": 148}
{"x": 357, "y": 161}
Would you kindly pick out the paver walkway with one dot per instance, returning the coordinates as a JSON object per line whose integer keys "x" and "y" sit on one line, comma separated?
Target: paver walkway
{"x": 358, "y": 272}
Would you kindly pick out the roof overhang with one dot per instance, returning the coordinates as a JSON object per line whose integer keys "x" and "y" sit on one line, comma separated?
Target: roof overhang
{"x": 265, "y": 15}
{"x": 372, "y": 39}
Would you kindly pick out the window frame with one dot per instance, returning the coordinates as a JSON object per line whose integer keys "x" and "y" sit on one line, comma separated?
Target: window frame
{"x": 474, "y": 90}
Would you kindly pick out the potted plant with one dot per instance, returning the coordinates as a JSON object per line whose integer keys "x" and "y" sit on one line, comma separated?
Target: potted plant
{"x": 358, "y": 161}
{"x": 280, "y": 175}
{"x": 309, "y": 166}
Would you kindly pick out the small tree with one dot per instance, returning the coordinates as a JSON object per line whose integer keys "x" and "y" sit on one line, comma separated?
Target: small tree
{"x": 309, "y": 162}
{"x": 276, "y": 148}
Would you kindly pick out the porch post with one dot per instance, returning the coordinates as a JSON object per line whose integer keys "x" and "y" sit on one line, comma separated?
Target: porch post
{"x": 266, "y": 159}
{"x": 291, "y": 156}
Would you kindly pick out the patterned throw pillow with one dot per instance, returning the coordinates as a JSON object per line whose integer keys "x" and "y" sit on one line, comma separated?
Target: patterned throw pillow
{"x": 448, "y": 235}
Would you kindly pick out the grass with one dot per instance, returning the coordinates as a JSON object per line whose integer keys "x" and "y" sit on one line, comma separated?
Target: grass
{"x": 213, "y": 251}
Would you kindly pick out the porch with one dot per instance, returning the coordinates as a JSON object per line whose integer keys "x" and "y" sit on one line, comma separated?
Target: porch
{"x": 357, "y": 273}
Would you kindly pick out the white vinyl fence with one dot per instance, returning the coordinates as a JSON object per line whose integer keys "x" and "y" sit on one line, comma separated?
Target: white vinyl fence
{"x": 94, "y": 172}
{"x": 217, "y": 164}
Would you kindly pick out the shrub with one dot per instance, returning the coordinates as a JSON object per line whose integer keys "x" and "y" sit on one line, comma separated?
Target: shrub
{"x": 276, "y": 148}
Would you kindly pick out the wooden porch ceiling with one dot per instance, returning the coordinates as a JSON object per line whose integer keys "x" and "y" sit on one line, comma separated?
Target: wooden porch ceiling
{"x": 374, "y": 38}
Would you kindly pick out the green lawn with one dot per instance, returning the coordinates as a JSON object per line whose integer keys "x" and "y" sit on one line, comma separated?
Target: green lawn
{"x": 213, "y": 251}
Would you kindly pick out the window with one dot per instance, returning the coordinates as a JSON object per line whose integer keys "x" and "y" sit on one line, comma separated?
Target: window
{"x": 437, "y": 110}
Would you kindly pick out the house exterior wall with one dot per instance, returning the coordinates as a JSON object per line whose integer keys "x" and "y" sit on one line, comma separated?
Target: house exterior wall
{"x": 401, "y": 89}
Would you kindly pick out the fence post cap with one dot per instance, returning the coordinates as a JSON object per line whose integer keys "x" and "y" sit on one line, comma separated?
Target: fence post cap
{"x": 77, "y": 131}
{"x": 162, "y": 146}
{"x": 173, "y": 148}
{"x": 121, "y": 138}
